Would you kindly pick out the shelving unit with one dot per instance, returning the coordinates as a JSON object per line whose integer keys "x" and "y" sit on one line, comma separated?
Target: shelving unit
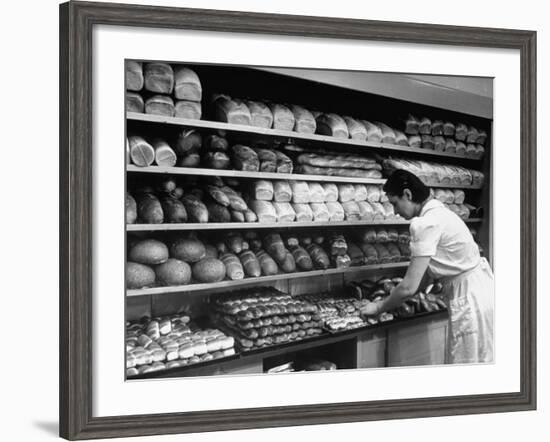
{"x": 369, "y": 346}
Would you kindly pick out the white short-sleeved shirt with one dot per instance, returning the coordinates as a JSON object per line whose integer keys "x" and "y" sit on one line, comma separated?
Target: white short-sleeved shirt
{"x": 441, "y": 234}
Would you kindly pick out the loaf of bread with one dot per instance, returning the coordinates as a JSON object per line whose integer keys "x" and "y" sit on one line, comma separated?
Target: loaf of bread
{"x": 303, "y": 212}
{"x": 366, "y": 212}
{"x": 415, "y": 141}
{"x": 427, "y": 142}
{"x": 268, "y": 160}
{"x": 250, "y": 264}
{"x": 263, "y": 190}
{"x": 264, "y": 210}
{"x": 261, "y": 115}
{"x": 344, "y": 161}
{"x": 461, "y": 132}
{"x": 338, "y": 244}
{"x": 282, "y": 193}
{"x": 369, "y": 252}
{"x": 131, "y": 209}
{"x": 141, "y": 152}
{"x": 471, "y": 151}
{"x": 335, "y": 211}
{"x": 316, "y": 193}
{"x": 284, "y": 163}
{"x": 374, "y": 133}
{"x": 159, "y": 78}
{"x": 360, "y": 192}
{"x": 383, "y": 253}
{"x": 351, "y": 211}
{"x": 460, "y": 148}
{"x": 189, "y": 160}
{"x": 379, "y": 212}
{"x": 346, "y": 192}
{"x": 244, "y": 158}
{"x": 425, "y": 126}
{"x": 330, "y": 191}
{"x": 273, "y": 244}
{"x": 341, "y": 261}
{"x": 134, "y": 103}
{"x": 218, "y": 195}
{"x": 285, "y": 212}
{"x": 134, "y": 75}
{"x": 472, "y": 135}
{"x": 300, "y": 191}
{"x": 302, "y": 259}
{"x": 188, "y": 109}
{"x": 173, "y": 209}
{"x": 388, "y": 135}
{"x": 332, "y": 125}
{"x": 213, "y": 142}
{"x": 448, "y": 129}
{"x": 439, "y": 143}
{"x": 164, "y": 154}
{"x": 450, "y": 145}
{"x": 393, "y": 250}
{"x": 304, "y": 121}
{"x": 412, "y": 125}
{"x": 381, "y": 235}
{"x": 267, "y": 263}
{"x": 209, "y": 270}
{"x": 216, "y": 160}
{"x": 218, "y": 213}
{"x": 283, "y": 118}
{"x": 160, "y": 105}
{"x": 481, "y": 137}
{"x": 459, "y": 196}
{"x": 320, "y": 212}
{"x": 188, "y": 141}
{"x": 337, "y": 171}
{"x": 400, "y": 138}
{"x": 173, "y": 272}
{"x": 233, "y": 111}
{"x": 288, "y": 264}
{"x": 196, "y": 210}
{"x": 139, "y": 276}
{"x": 188, "y": 249}
{"x": 356, "y": 129}
{"x": 373, "y": 193}
{"x": 250, "y": 216}
{"x": 437, "y": 128}
{"x": 187, "y": 85}
{"x": 480, "y": 151}
{"x": 233, "y": 267}
{"x": 148, "y": 252}
{"x": 149, "y": 209}
{"x": 389, "y": 212}
{"x": 318, "y": 256}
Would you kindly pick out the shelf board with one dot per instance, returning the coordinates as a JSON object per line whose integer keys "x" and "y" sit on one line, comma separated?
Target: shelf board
{"x": 257, "y": 225}
{"x": 199, "y": 171}
{"x": 261, "y": 279}
{"x": 287, "y": 134}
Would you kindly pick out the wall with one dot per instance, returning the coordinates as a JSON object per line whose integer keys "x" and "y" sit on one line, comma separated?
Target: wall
{"x": 29, "y": 360}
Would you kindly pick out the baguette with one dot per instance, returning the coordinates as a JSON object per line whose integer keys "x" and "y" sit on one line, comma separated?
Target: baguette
{"x": 187, "y": 85}
{"x": 160, "y": 105}
{"x": 134, "y": 75}
{"x": 344, "y": 161}
{"x": 134, "y": 103}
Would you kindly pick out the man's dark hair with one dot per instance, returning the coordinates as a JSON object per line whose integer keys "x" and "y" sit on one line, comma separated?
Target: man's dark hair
{"x": 400, "y": 180}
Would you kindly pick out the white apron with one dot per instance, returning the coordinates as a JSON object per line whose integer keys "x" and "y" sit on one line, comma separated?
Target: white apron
{"x": 467, "y": 280}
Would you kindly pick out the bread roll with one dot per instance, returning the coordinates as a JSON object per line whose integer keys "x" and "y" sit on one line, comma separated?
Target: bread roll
{"x": 300, "y": 191}
{"x": 159, "y": 78}
{"x": 320, "y": 212}
{"x": 164, "y": 154}
{"x": 232, "y": 111}
{"x": 335, "y": 211}
{"x": 160, "y": 105}
{"x": 188, "y": 109}
{"x": 332, "y": 125}
{"x": 282, "y": 193}
{"x": 425, "y": 126}
{"x": 366, "y": 212}
{"x": 187, "y": 85}
{"x": 134, "y": 103}
{"x": 264, "y": 210}
{"x": 263, "y": 190}
{"x": 448, "y": 129}
{"x": 450, "y": 145}
{"x": 374, "y": 132}
{"x": 233, "y": 267}
{"x": 316, "y": 193}
{"x": 439, "y": 143}
{"x": 283, "y": 118}
{"x": 261, "y": 115}
{"x": 134, "y": 75}
{"x": 356, "y": 129}
{"x": 412, "y": 125}
{"x": 388, "y": 135}
{"x": 250, "y": 264}
{"x": 284, "y": 163}
{"x": 244, "y": 158}
{"x": 360, "y": 192}
{"x": 303, "y": 212}
{"x": 461, "y": 132}
{"x": 351, "y": 211}
{"x": 304, "y": 121}
{"x": 415, "y": 141}
{"x": 141, "y": 152}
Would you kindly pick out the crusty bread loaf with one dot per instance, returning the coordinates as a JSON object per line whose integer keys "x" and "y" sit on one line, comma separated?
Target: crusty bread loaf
{"x": 134, "y": 75}
{"x": 233, "y": 111}
{"x": 356, "y": 129}
{"x": 304, "y": 121}
{"x": 284, "y": 163}
{"x": 149, "y": 209}
{"x": 134, "y": 102}
{"x": 191, "y": 110}
{"x": 303, "y": 212}
{"x": 261, "y": 115}
{"x": 374, "y": 132}
{"x": 139, "y": 276}
{"x": 187, "y": 85}
{"x": 141, "y": 152}
{"x": 160, "y": 105}
{"x": 267, "y": 158}
{"x": 209, "y": 270}
{"x": 188, "y": 141}
{"x": 159, "y": 78}
{"x": 188, "y": 249}
{"x": 415, "y": 141}
{"x": 244, "y": 158}
{"x": 283, "y": 118}
{"x": 233, "y": 266}
{"x": 344, "y": 161}
{"x": 148, "y": 252}
{"x": 196, "y": 210}
{"x": 332, "y": 125}
{"x": 164, "y": 154}
{"x": 173, "y": 272}
{"x": 173, "y": 209}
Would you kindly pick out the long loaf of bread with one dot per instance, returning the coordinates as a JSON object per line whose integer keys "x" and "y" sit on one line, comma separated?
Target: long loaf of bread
{"x": 335, "y": 171}
{"x": 233, "y": 266}
{"x": 345, "y": 161}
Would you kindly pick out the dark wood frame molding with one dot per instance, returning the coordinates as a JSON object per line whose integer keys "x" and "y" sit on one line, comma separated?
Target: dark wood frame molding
{"x": 77, "y": 20}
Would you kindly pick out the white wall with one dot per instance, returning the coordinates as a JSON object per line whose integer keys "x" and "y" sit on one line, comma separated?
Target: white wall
{"x": 29, "y": 219}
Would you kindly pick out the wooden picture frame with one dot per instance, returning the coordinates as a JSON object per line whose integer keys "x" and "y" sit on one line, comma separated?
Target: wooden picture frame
{"x": 76, "y": 22}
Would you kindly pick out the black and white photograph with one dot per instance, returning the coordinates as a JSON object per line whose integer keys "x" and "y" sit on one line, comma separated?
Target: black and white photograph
{"x": 284, "y": 220}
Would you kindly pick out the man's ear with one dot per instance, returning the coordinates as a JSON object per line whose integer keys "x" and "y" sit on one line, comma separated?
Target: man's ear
{"x": 407, "y": 194}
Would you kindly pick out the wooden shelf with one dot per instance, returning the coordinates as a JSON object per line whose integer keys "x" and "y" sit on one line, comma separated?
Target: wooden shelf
{"x": 262, "y": 279}
{"x": 240, "y": 226}
{"x": 198, "y": 171}
{"x": 287, "y": 134}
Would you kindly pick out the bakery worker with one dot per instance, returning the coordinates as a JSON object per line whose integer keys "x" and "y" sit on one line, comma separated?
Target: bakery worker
{"x": 442, "y": 245}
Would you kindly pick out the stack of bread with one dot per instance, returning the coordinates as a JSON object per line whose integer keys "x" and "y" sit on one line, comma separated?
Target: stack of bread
{"x": 454, "y": 199}
{"x": 169, "y": 342}
{"x": 163, "y": 89}
{"x": 461, "y": 139}
{"x": 433, "y": 174}
{"x": 264, "y": 316}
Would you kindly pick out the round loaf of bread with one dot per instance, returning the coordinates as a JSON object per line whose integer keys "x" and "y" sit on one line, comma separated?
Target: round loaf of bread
{"x": 132, "y": 372}
{"x": 149, "y": 251}
{"x": 209, "y": 270}
{"x": 173, "y": 272}
{"x": 139, "y": 275}
{"x": 188, "y": 250}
